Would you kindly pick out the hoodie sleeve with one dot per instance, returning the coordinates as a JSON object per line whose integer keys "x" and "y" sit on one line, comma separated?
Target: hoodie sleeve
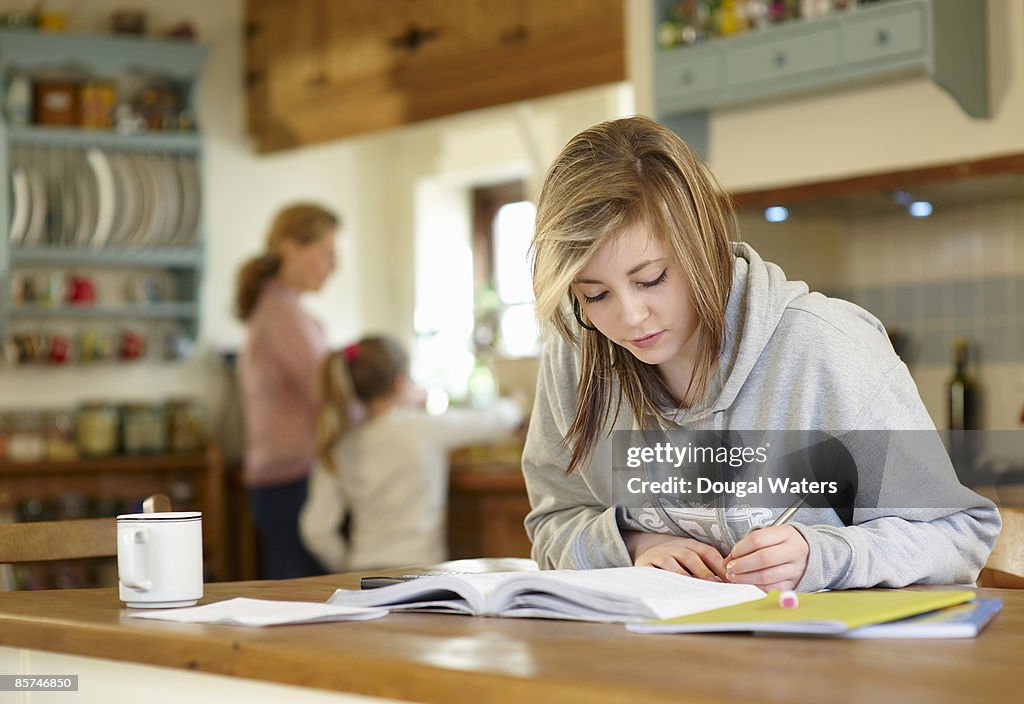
{"x": 569, "y": 526}
{"x": 944, "y": 539}
{"x": 459, "y": 427}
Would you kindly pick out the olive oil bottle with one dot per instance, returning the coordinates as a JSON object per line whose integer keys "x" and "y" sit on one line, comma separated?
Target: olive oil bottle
{"x": 962, "y": 391}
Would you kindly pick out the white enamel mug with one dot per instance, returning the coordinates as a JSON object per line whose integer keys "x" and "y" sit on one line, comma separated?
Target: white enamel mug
{"x": 160, "y": 559}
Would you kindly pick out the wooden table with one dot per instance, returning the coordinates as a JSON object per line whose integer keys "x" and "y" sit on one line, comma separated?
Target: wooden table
{"x": 444, "y": 658}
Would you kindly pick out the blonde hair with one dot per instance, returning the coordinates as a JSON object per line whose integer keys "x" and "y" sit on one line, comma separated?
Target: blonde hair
{"x": 303, "y": 223}
{"x": 607, "y": 179}
{"x": 357, "y": 374}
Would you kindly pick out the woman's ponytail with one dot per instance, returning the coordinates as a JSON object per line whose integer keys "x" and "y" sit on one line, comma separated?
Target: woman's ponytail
{"x": 251, "y": 277}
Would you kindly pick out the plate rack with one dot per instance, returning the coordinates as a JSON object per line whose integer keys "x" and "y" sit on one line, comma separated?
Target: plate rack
{"x": 121, "y": 207}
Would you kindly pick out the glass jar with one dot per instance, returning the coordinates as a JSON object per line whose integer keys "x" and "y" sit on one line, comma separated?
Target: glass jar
{"x": 185, "y": 430}
{"x": 143, "y": 429}
{"x": 26, "y": 443}
{"x": 61, "y": 444}
{"x": 97, "y": 429}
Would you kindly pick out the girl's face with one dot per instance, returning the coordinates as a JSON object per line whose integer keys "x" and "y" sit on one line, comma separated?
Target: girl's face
{"x": 635, "y": 295}
{"x": 305, "y": 267}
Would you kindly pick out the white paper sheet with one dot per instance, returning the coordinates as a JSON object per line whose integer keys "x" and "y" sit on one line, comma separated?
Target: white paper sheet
{"x": 261, "y": 612}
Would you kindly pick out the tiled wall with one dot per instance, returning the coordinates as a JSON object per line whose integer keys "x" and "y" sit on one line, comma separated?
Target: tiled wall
{"x": 959, "y": 272}
{"x": 988, "y": 311}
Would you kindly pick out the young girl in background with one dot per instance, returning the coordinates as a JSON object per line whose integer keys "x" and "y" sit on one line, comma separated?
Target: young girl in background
{"x": 387, "y": 473}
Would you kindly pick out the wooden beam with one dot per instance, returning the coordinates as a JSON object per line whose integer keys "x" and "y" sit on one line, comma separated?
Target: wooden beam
{"x": 883, "y": 182}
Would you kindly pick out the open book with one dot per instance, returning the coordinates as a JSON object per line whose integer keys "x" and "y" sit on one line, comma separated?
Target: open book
{"x": 616, "y": 594}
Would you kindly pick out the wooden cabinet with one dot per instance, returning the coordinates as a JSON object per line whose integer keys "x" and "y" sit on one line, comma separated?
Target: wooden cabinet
{"x": 487, "y": 503}
{"x": 322, "y": 70}
{"x": 194, "y": 481}
{"x": 942, "y": 39}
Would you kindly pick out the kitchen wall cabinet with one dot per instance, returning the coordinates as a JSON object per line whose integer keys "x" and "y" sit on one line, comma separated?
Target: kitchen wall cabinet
{"x": 942, "y": 39}
{"x": 121, "y": 197}
{"x": 318, "y": 71}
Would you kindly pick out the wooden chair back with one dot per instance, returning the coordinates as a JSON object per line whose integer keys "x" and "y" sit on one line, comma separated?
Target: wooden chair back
{"x": 1005, "y": 566}
{"x": 45, "y": 541}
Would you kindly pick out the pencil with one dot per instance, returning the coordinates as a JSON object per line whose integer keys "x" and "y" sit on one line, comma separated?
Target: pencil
{"x": 783, "y": 518}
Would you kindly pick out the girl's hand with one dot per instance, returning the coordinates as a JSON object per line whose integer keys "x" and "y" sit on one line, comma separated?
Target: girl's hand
{"x": 771, "y": 558}
{"x": 675, "y": 554}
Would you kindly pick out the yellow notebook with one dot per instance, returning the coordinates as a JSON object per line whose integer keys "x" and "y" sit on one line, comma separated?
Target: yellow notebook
{"x": 826, "y": 613}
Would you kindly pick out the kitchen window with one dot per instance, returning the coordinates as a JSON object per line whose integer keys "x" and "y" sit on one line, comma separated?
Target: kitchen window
{"x": 503, "y": 230}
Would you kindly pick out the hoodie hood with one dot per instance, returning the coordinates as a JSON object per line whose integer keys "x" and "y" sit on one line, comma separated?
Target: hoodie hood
{"x": 760, "y": 295}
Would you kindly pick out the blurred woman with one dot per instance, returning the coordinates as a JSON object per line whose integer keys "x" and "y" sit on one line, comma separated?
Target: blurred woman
{"x": 279, "y": 367}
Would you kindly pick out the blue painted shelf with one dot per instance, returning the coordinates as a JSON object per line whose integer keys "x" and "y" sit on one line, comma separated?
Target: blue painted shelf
{"x": 82, "y": 56}
{"x": 177, "y": 142}
{"x": 148, "y": 311}
{"x": 191, "y": 258}
{"x": 102, "y": 54}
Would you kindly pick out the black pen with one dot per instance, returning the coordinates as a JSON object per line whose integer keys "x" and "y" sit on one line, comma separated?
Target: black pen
{"x": 377, "y": 582}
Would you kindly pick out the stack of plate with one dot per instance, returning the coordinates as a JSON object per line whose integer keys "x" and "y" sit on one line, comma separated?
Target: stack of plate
{"x": 98, "y": 198}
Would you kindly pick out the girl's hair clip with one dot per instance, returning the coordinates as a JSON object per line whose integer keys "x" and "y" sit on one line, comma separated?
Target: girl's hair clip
{"x": 351, "y": 352}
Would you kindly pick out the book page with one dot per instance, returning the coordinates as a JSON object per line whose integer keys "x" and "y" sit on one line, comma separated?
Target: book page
{"x": 465, "y": 593}
{"x": 619, "y": 593}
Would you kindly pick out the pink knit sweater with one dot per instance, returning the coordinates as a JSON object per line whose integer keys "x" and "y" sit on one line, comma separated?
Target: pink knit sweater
{"x": 280, "y": 371}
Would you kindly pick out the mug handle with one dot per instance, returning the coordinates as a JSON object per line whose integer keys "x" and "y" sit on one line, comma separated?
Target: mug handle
{"x": 126, "y": 559}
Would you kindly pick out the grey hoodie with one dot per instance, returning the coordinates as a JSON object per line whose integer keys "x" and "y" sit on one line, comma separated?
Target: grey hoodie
{"x": 792, "y": 360}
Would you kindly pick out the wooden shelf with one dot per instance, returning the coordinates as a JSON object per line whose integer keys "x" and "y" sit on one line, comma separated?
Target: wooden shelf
{"x": 118, "y": 463}
{"x": 133, "y": 477}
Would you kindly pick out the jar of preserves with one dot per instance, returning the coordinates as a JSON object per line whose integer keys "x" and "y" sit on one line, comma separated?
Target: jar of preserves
{"x": 185, "y": 426}
{"x": 143, "y": 429}
{"x": 25, "y": 442}
{"x": 61, "y": 444}
{"x": 98, "y": 425}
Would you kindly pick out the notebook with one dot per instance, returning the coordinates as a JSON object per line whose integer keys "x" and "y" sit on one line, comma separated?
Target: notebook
{"x": 962, "y": 621}
{"x": 614, "y": 594}
{"x": 825, "y": 613}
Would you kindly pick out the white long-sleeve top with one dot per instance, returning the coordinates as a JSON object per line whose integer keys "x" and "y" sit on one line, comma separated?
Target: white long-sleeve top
{"x": 392, "y": 477}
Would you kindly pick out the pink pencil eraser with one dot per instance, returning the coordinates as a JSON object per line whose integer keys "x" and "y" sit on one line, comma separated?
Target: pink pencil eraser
{"x": 788, "y": 600}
